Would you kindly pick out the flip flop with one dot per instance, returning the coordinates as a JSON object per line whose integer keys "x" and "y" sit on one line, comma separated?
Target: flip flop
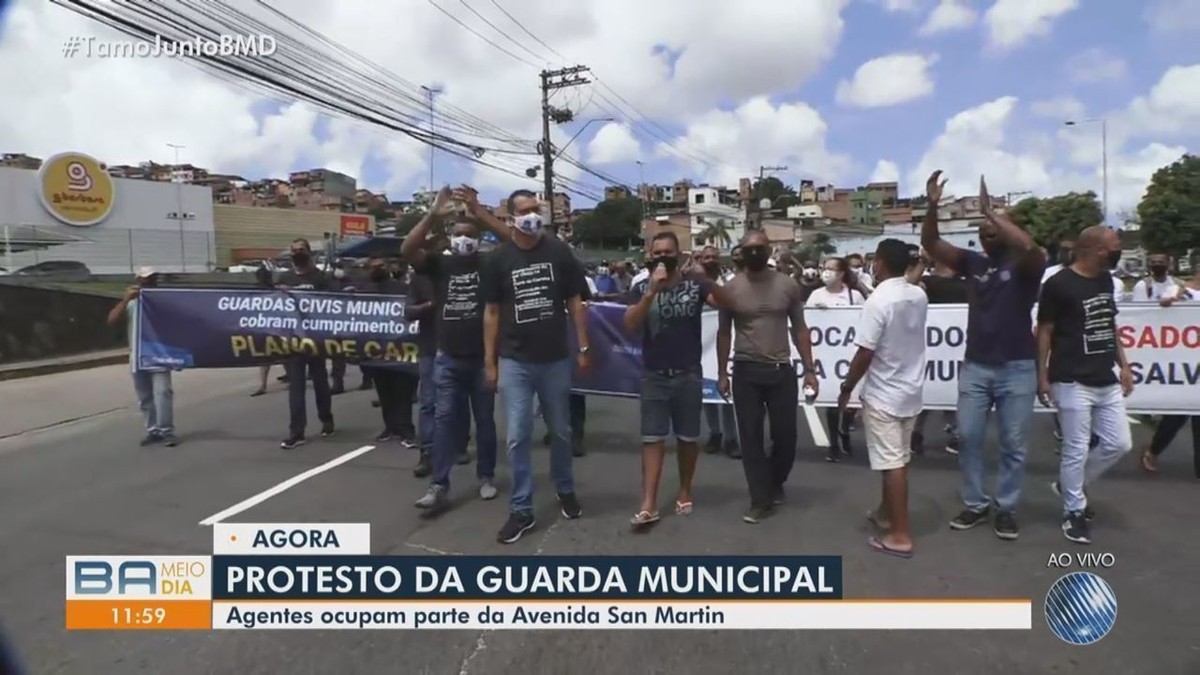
{"x": 878, "y": 546}
{"x": 643, "y": 518}
{"x": 874, "y": 520}
{"x": 683, "y": 508}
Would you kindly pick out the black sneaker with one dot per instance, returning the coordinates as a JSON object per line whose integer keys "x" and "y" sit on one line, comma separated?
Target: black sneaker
{"x": 1005, "y": 526}
{"x": 834, "y": 455}
{"x": 1088, "y": 512}
{"x": 464, "y": 457}
{"x": 779, "y": 497}
{"x": 755, "y": 515}
{"x": 952, "y": 444}
{"x": 150, "y": 439}
{"x": 407, "y": 442}
{"x": 327, "y": 429}
{"x": 1075, "y": 528}
{"x": 384, "y": 436}
{"x": 375, "y": 403}
{"x": 169, "y": 440}
{"x": 713, "y": 446}
{"x": 516, "y": 525}
{"x": 577, "y": 449}
{"x": 424, "y": 467}
{"x": 968, "y": 519}
{"x": 568, "y": 504}
{"x": 292, "y": 442}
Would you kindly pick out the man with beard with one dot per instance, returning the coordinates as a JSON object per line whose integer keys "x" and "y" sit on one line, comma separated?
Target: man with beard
{"x": 999, "y": 367}
{"x": 458, "y": 373}
{"x": 305, "y": 276}
{"x": 529, "y": 284}
{"x": 722, "y": 426}
{"x": 762, "y": 303}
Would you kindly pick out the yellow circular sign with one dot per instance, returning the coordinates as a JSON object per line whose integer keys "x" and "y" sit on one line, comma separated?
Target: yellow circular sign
{"x": 76, "y": 189}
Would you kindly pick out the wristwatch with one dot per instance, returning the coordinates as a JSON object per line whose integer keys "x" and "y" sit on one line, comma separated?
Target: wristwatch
{"x": 585, "y": 349}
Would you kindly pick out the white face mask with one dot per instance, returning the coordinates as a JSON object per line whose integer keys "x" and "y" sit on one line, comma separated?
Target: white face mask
{"x": 810, "y": 273}
{"x": 530, "y": 223}
{"x": 463, "y": 245}
{"x": 829, "y": 277}
{"x": 339, "y": 274}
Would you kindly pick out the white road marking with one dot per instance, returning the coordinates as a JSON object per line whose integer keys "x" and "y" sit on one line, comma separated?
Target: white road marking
{"x": 285, "y": 485}
{"x": 816, "y": 427}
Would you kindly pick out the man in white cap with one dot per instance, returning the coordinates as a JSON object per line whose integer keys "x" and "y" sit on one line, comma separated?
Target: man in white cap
{"x": 156, "y": 399}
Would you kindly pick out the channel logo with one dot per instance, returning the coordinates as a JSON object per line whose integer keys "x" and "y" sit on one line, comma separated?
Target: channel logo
{"x": 137, "y": 577}
{"x": 1081, "y": 608}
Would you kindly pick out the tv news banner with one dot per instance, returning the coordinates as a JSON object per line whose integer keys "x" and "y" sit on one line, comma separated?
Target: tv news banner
{"x": 323, "y": 576}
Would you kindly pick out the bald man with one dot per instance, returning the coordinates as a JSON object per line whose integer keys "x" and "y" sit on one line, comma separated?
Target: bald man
{"x": 1083, "y": 371}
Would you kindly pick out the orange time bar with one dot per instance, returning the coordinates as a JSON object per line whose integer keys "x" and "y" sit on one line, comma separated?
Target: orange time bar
{"x": 139, "y": 614}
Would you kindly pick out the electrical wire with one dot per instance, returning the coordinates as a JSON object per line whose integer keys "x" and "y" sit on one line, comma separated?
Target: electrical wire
{"x": 481, "y": 36}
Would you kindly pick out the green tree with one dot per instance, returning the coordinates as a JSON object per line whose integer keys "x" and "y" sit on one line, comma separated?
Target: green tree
{"x": 815, "y": 248}
{"x": 781, "y": 194}
{"x": 718, "y": 234}
{"x": 1170, "y": 210}
{"x": 612, "y": 224}
{"x": 1057, "y": 218}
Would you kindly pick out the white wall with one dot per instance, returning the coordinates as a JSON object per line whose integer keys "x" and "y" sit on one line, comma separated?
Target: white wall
{"x": 136, "y": 233}
{"x": 805, "y": 211}
{"x": 864, "y": 245}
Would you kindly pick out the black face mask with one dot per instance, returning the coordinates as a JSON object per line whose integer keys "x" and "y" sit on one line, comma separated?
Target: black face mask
{"x": 1114, "y": 259}
{"x": 669, "y": 261}
{"x": 377, "y": 274}
{"x": 712, "y": 269}
{"x": 755, "y": 258}
{"x": 1158, "y": 270}
{"x": 301, "y": 258}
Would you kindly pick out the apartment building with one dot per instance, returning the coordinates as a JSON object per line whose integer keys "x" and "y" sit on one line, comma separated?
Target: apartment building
{"x": 710, "y": 205}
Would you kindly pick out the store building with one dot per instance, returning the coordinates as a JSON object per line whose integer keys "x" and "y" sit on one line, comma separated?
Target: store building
{"x": 256, "y": 233}
{"x": 72, "y": 213}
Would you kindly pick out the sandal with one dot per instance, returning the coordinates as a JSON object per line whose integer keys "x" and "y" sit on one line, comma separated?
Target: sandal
{"x": 643, "y": 518}
{"x": 683, "y": 508}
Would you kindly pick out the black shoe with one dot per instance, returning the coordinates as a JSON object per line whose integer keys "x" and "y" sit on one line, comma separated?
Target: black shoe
{"x": 424, "y": 467}
{"x": 1075, "y": 528}
{"x": 337, "y": 390}
{"x": 568, "y": 504}
{"x": 384, "y": 436}
{"x": 1005, "y": 526}
{"x": 516, "y": 525}
{"x": 407, "y": 442}
{"x": 150, "y": 439}
{"x": 834, "y": 455}
{"x": 375, "y": 403}
{"x": 733, "y": 451}
{"x": 713, "y": 446}
{"x": 464, "y": 457}
{"x": 292, "y": 442}
{"x": 779, "y": 497}
{"x": 327, "y": 429}
{"x": 968, "y": 519}
{"x": 282, "y": 378}
{"x": 952, "y": 444}
{"x": 169, "y": 440}
{"x": 577, "y": 449}
{"x": 365, "y": 386}
{"x": 755, "y": 515}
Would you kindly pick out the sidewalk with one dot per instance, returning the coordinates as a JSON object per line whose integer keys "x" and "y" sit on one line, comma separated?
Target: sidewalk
{"x": 12, "y": 371}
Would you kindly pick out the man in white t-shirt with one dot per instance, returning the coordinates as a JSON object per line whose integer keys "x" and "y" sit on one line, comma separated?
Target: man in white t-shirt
{"x": 891, "y": 363}
{"x": 1160, "y": 284}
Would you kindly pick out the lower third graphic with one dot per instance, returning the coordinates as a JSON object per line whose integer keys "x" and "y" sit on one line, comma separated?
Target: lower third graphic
{"x": 1081, "y": 608}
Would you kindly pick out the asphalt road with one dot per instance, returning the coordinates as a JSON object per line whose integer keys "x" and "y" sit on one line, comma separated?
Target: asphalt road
{"x": 85, "y": 487}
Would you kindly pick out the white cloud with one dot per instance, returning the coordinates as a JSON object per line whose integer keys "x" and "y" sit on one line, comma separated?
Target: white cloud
{"x": 1012, "y": 22}
{"x": 1174, "y": 16}
{"x": 1172, "y": 106}
{"x": 900, "y": 5}
{"x": 1096, "y": 65}
{"x": 885, "y": 171}
{"x": 888, "y": 80}
{"x": 760, "y": 133}
{"x": 1063, "y": 108}
{"x": 949, "y": 15}
{"x": 614, "y": 143}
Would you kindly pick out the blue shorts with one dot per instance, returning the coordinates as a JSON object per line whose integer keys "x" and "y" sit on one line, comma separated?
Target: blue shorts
{"x": 671, "y": 401}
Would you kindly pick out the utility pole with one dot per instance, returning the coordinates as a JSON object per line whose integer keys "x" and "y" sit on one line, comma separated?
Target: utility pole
{"x": 762, "y": 174}
{"x": 178, "y": 180}
{"x": 553, "y": 80}
{"x": 430, "y": 92}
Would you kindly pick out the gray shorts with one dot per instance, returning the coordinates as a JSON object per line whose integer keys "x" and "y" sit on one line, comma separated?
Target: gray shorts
{"x": 671, "y": 401}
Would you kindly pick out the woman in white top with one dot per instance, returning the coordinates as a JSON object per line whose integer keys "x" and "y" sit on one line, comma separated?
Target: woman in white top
{"x": 840, "y": 288}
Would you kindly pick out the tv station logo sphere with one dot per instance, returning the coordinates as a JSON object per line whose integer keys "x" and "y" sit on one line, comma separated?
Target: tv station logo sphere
{"x": 1081, "y": 608}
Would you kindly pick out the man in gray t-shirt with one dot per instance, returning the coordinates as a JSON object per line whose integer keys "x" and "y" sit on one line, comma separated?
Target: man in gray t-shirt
{"x": 764, "y": 384}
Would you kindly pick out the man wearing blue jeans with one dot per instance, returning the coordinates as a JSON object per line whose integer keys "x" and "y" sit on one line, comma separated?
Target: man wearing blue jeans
{"x": 155, "y": 397}
{"x": 998, "y": 369}
{"x": 1077, "y": 351}
{"x": 423, "y": 307}
{"x": 458, "y": 373}
{"x": 529, "y": 285}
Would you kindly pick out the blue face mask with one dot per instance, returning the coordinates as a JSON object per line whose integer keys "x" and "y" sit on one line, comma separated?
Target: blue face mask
{"x": 530, "y": 223}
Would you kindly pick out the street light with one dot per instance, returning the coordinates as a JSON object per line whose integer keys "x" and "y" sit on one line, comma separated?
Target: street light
{"x": 1104, "y": 154}
{"x": 177, "y": 178}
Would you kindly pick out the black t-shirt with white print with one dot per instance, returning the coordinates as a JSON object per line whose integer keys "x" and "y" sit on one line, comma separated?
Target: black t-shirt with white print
{"x": 1083, "y": 347}
{"x": 459, "y": 304}
{"x": 532, "y": 288}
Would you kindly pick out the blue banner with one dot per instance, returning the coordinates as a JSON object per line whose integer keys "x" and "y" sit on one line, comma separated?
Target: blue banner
{"x": 324, "y": 577}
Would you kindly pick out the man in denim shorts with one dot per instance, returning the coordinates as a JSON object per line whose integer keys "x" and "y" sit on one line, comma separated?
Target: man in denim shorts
{"x": 666, "y": 308}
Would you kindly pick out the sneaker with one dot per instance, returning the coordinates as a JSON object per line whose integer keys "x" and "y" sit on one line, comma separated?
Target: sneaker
{"x": 169, "y": 440}
{"x": 1075, "y": 528}
{"x": 952, "y": 444}
{"x": 834, "y": 455}
{"x": 292, "y": 442}
{"x": 424, "y": 467}
{"x": 755, "y": 515}
{"x": 464, "y": 457}
{"x": 150, "y": 439}
{"x": 568, "y": 504}
{"x": 1088, "y": 512}
{"x": 327, "y": 429}
{"x": 436, "y": 498}
{"x": 408, "y": 443}
{"x": 516, "y": 525}
{"x": 384, "y": 436}
{"x": 577, "y": 449}
{"x": 968, "y": 519}
{"x": 1005, "y": 526}
{"x": 713, "y": 446}
{"x": 487, "y": 489}
{"x": 375, "y": 403}
{"x": 779, "y": 497}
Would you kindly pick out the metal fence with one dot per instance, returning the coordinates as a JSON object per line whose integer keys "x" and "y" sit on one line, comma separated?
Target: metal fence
{"x": 61, "y": 251}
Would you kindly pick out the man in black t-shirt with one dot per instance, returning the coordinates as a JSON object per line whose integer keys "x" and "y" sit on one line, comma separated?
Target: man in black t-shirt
{"x": 1078, "y": 348}
{"x": 530, "y": 283}
{"x": 942, "y": 287}
{"x": 305, "y": 276}
{"x": 395, "y": 387}
{"x": 422, "y": 307}
{"x": 458, "y": 372}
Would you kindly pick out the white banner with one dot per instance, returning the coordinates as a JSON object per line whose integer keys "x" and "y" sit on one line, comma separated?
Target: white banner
{"x": 1162, "y": 344}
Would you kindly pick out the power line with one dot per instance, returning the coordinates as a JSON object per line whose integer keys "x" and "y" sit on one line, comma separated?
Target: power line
{"x": 493, "y": 26}
{"x": 481, "y": 36}
{"x": 528, "y": 32}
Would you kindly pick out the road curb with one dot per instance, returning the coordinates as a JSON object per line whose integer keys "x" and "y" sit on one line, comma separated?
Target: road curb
{"x": 18, "y": 371}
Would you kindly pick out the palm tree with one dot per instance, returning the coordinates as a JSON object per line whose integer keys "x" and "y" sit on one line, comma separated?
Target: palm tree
{"x": 718, "y": 233}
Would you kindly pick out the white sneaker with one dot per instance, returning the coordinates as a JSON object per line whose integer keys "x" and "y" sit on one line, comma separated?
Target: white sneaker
{"x": 487, "y": 490}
